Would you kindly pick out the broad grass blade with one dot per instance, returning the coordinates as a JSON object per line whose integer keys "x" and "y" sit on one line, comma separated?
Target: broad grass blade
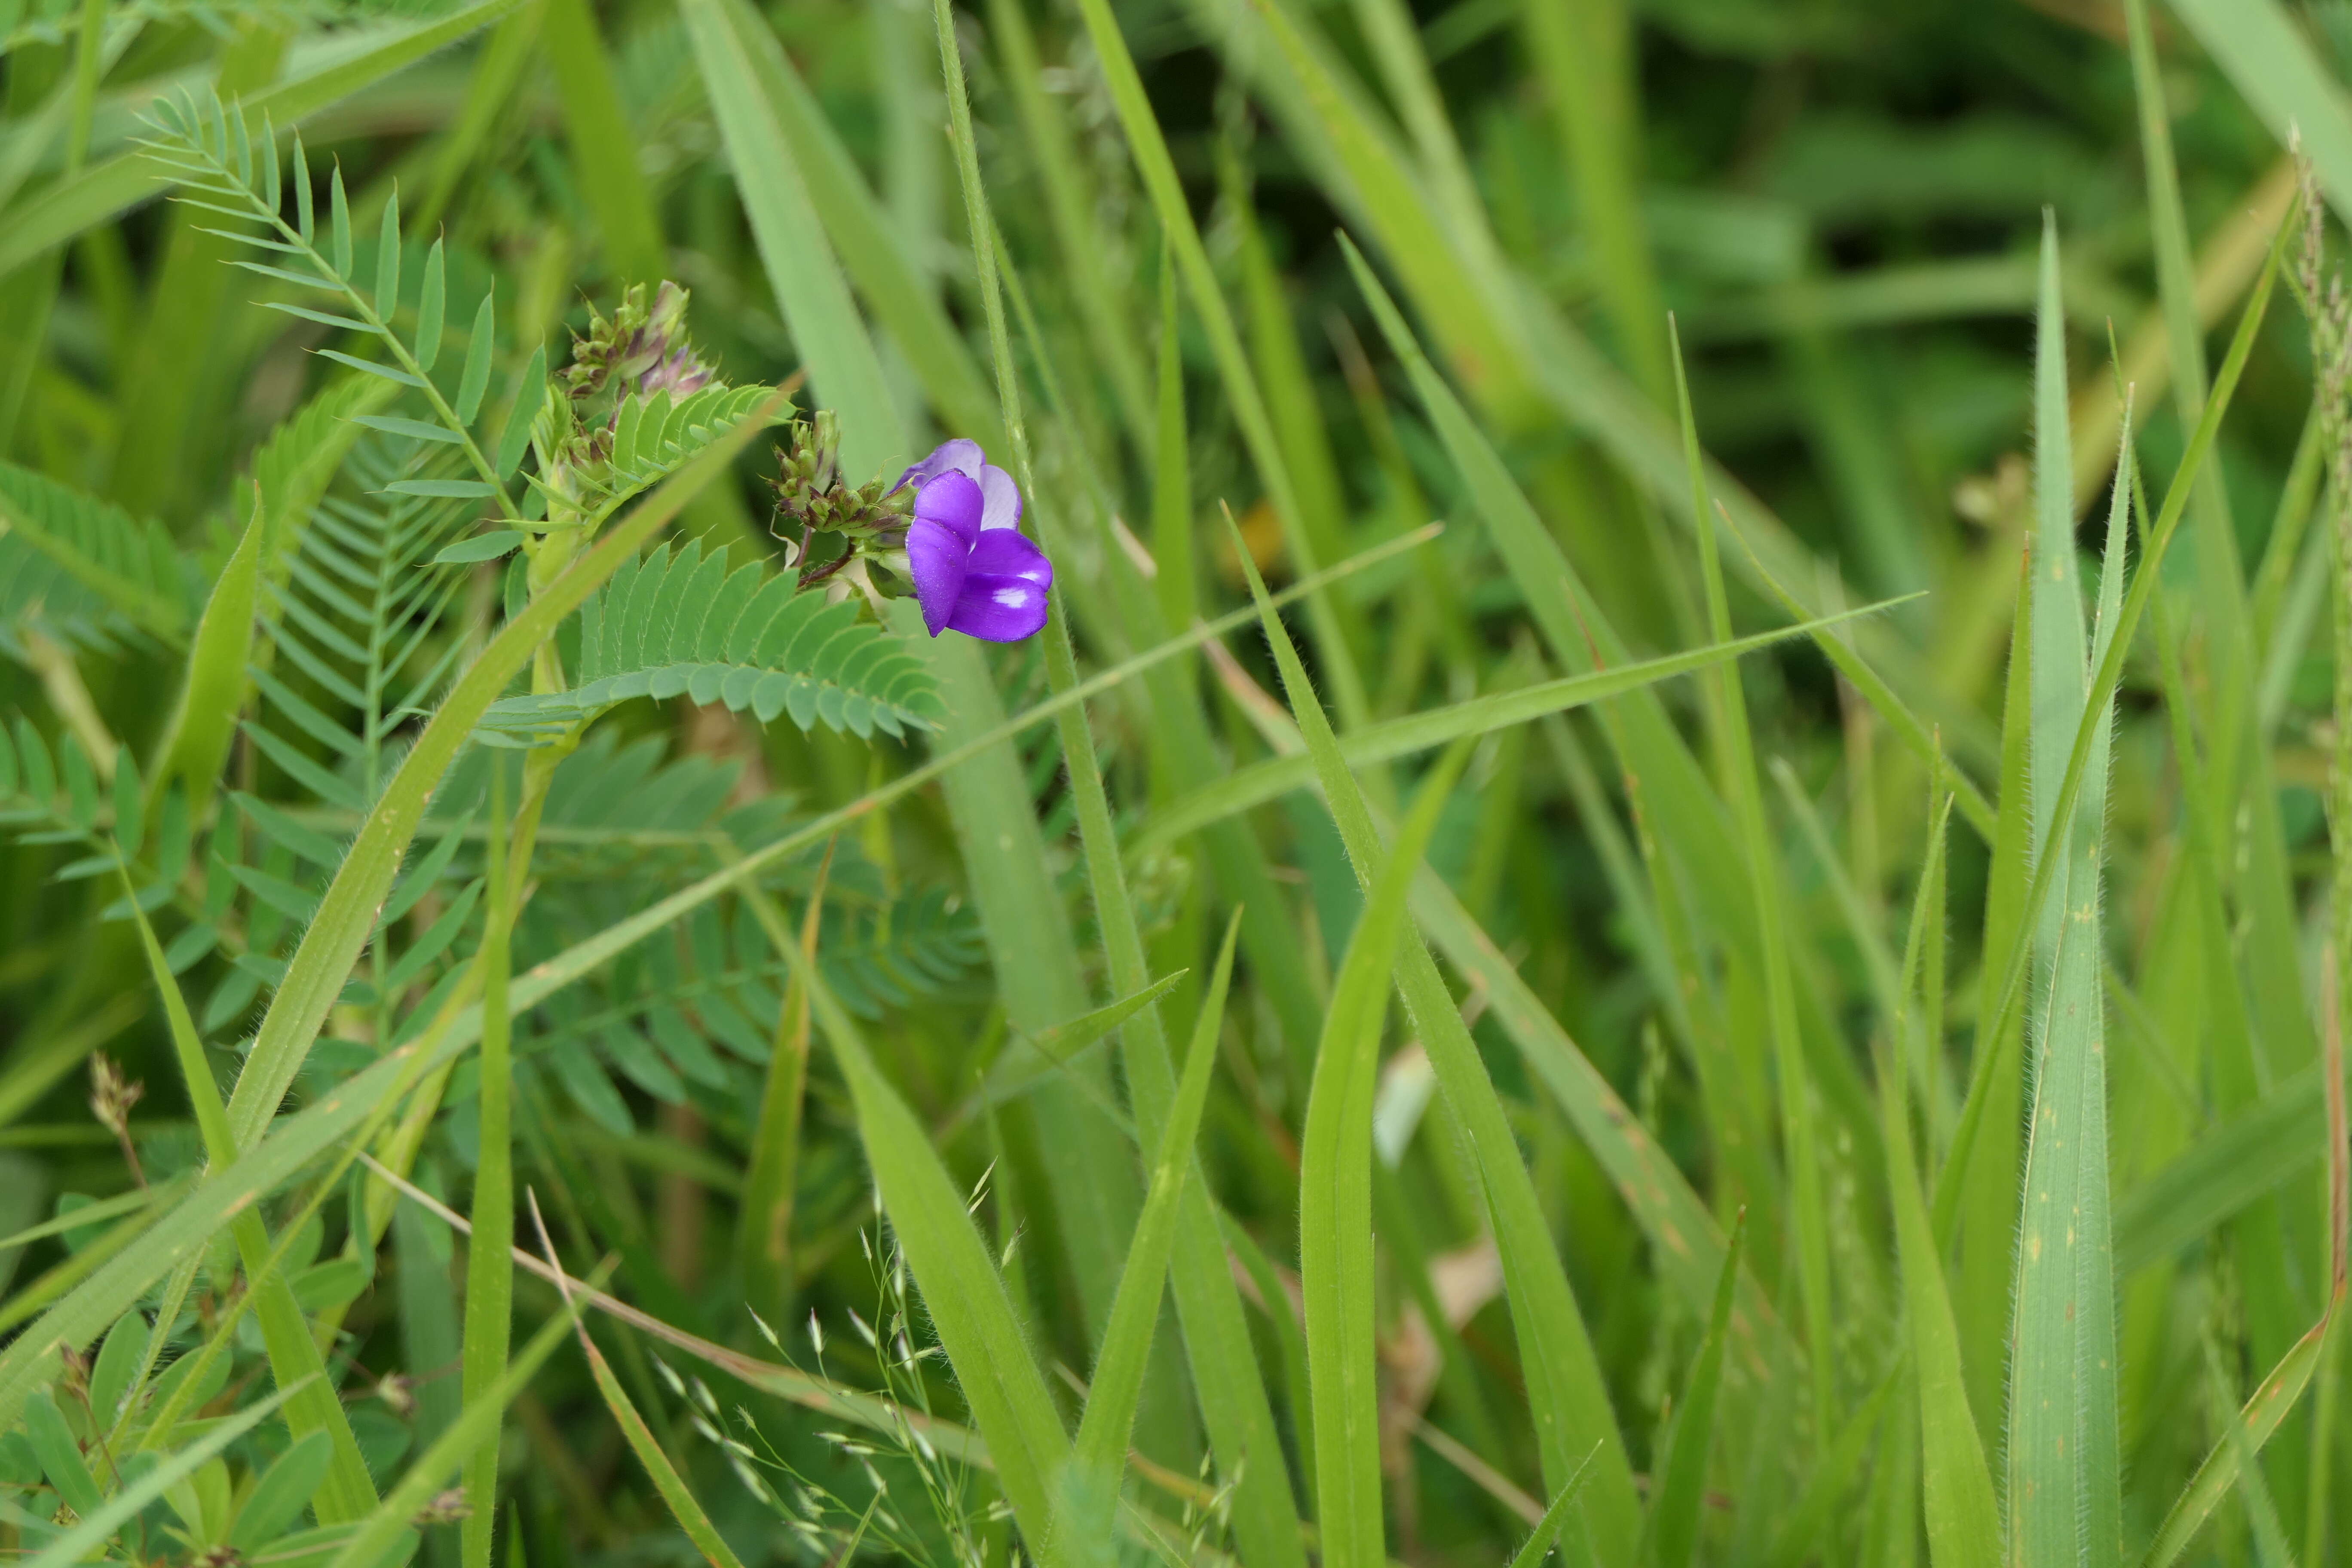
{"x": 2064, "y": 1461}
{"x": 597, "y": 126}
{"x": 1335, "y": 1203}
{"x": 1565, "y": 1391}
{"x": 490, "y": 1270}
{"x": 728, "y": 39}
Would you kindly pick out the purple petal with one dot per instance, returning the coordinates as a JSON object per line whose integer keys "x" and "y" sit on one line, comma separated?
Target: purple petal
{"x": 999, "y": 609}
{"x": 938, "y": 559}
{"x": 953, "y": 502}
{"x": 1009, "y": 553}
{"x": 1002, "y": 497}
{"x": 961, "y": 456}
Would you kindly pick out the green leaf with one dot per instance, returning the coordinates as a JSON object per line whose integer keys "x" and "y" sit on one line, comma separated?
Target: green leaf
{"x": 1148, "y": 148}
{"x": 733, "y": 47}
{"x": 1566, "y": 1393}
{"x": 387, "y": 258}
{"x": 102, "y": 191}
{"x": 100, "y": 1522}
{"x": 379, "y": 1535}
{"x": 294, "y": 1357}
{"x": 2064, "y": 1451}
{"x": 2258, "y": 45}
{"x": 281, "y": 1494}
{"x": 963, "y": 1292}
{"x": 1807, "y": 1216}
{"x": 489, "y": 1267}
{"x": 431, "y": 305}
{"x": 1679, "y": 1501}
{"x": 445, "y": 489}
{"x": 415, "y": 429}
{"x": 475, "y": 379}
{"x": 62, "y": 1456}
{"x": 748, "y": 638}
{"x": 130, "y": 816}
{"x": 340, "y": 224}
{"x": 211, "y": 692}
{"x": 1963, "y": 1520}
{"x": 1335, "y": 1203}
{"x": 1100, "y": 1452}
{"x": 523, "y": 401}
{"x": 2253, "y": 1426}
{"x": 597, "y": 123}
{"x": 1426, "y": 731}
{"x": 480, "y": 547}
{"x": 131, "y": 564}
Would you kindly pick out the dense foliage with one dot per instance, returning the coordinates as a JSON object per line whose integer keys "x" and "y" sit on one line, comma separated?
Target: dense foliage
{"x": 582, "y": 983}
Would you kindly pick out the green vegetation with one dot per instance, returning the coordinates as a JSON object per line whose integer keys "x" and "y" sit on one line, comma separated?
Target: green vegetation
{"x": 1671, "y": 882}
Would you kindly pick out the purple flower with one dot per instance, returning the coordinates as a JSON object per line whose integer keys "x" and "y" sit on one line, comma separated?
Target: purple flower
{"x": 975, "y": 572}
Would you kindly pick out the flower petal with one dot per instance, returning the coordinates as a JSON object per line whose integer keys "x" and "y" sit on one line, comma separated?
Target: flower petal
{"x": 938, "y": 560}
{"x": 1002, "y": 497}
{"x": 953, "y": 502}
{"x": 961, "y": 456}
{"x": 999, "y": 609}
{"x": 1009, "y": 553}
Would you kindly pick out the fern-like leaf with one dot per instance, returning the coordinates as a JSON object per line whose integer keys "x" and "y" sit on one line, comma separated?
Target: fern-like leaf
{"x": 38, "y": 596}
{"x": 294, "y": 467}
{"x": 684, "y": 625}
{"x": 130, "y": 562}
{"x": 654, "y": 436}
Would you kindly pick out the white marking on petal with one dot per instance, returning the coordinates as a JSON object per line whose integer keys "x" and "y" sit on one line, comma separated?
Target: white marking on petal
{"x": 1013, "y": 598}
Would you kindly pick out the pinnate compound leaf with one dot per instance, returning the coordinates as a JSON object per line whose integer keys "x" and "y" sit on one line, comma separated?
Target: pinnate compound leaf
{"x": 131, "y": 563}
{"x": 684, "y": 625}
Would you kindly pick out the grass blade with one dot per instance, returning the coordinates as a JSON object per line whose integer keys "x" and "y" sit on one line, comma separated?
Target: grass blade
{"x": 1426, "y": 731}
{"x": 294, "y": 1358}
{"x": 1149, "y": 147}
{"x": 1679, "y": 1501}
{"x": 489, "y": 1271}
{"x": 1100, "y": 1453}
{"x": 1335, "y": 1203}
{"x": 728, "y": 38}
{"x": 1808, "y": 1210}
{"x": 1564, "y": 1387}
{"x": 1963, "y": 1520}
{"x": 962, "y": 1291}
{"x": 596, "y": 123}
{"x": 2064, "y": 1465}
